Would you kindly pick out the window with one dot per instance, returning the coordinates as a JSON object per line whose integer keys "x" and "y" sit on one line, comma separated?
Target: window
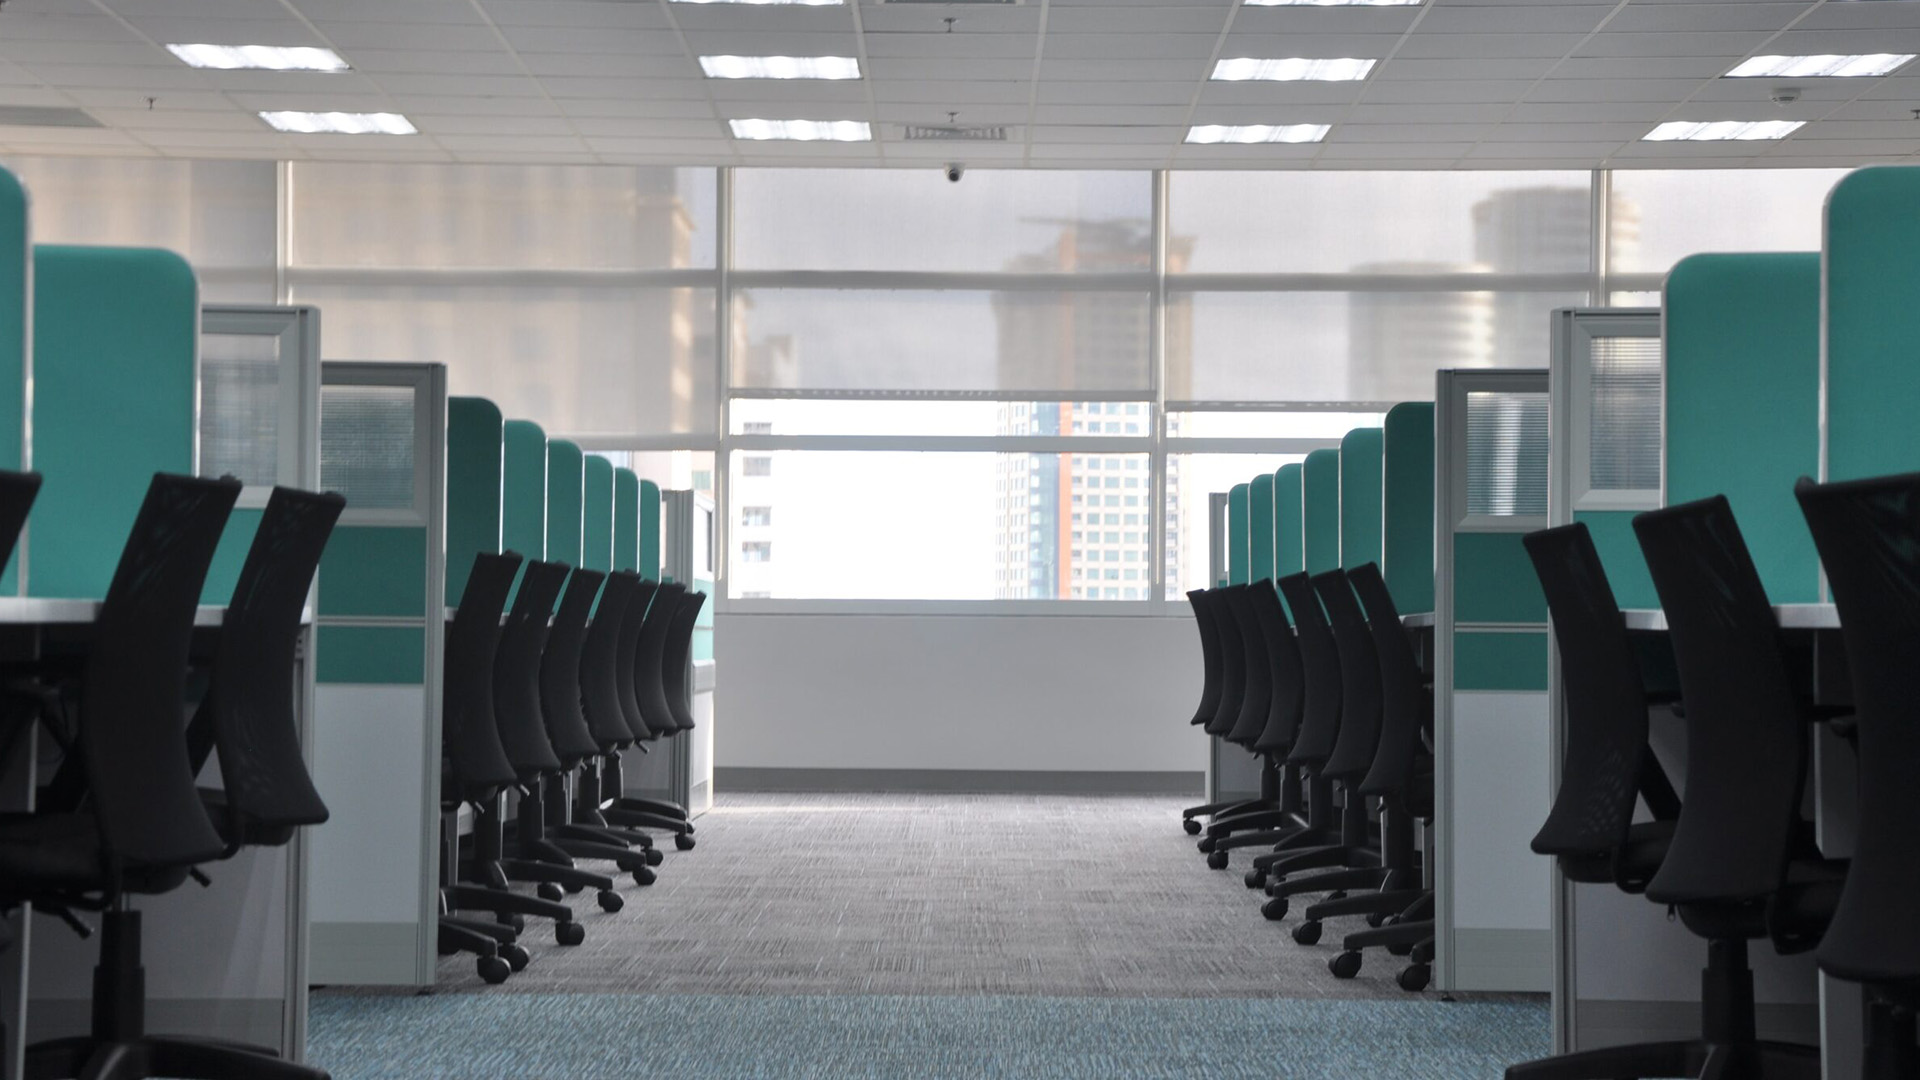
{"x": 756, "y": 551}
{"x": 760, "y": 465}
{"x": 757, "y": 427}
{"x": 1658, "y": 217}
{"x": 756, "y": 516}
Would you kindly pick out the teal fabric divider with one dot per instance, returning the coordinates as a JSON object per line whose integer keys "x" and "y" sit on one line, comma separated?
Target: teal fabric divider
{"x": 1320, "y": 510}
{"x": 235, "y": 541}
{"x": 626, "y": 520}
{"x": 1493, "y": 580}
{"x": 1260, "y": 528}
{"x": 1362, "y": 474}
{"x": 1871, "y": 275}
{"x": 115, "y": 341}
{"x": 15, "y": 350}
{"x": 1499, "y": 661}
{"x": 596, "y": 518}
{"x": 1742, "y": 336}
{"x": 1627, "y": 572}
{"x": 565, "y": 491}
{"x": 1239, "y": 544}
{"x": 1289, "y": 529}
{"x": 1407, "y": 525}
{"x": 650, "y": 531}
{"x": 475, "y": 446}
{"x": 523, "y": 489}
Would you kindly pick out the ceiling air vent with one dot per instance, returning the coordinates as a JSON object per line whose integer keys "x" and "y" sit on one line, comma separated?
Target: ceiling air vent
{"x": 45, "y": 116}
{"x": 952, "y": 132}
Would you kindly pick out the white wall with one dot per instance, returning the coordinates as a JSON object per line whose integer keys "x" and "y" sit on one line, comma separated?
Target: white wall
{"x": 1048, "y": 692}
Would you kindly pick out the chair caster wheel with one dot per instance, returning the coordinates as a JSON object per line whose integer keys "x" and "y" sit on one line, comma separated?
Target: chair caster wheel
{"x": 611, "y": 901}
{"x": 1217, "y": 860}
{"x": 569, "y": 933}
{"x": 1275, "y": 909}
{"x": 1337, "y": 894}
{"x": 1376, "y": 920}
{"x": 1400, "y": 950}
{"x": 494, "y": 970}
{"x": 574, "y": 889}
{"x": 549, "y": 891}
{"x": 654, "y": 856}
{"x": 1307, "y": 933}
{"x": 1415, "y": 978}
{"x": 1191, "y": 825}
{"x": 517, "y": 957}
{"x": 517, "y": 922}
{"x": 1256, "y": 879}
{"x": 690, "y": 829}
{"x": 1205, "y": 845}
{"x": 1345, "y": 966}
{"x": 683, "y": 841}
{"x": 644, "y": 876}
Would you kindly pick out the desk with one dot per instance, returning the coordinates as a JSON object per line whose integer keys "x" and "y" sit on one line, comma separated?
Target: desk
{"x": 227, "y": 961}
{"x": 1791, "y": 616}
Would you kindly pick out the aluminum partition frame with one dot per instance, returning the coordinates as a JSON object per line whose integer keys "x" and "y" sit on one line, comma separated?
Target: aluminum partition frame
{"x": 680, "y": 511}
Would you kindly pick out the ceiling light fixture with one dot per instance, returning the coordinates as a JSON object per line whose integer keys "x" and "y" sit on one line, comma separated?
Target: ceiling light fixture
{"x": 1258, "y": 133}
{"x": 780, "y": 67}
{"x": 1293, "y": 69}
{"x": 803, "y": 130}
{"x": 1823, "y": 66}
{"x": 340, "y": 123}
{"x": 264, "y": 57}
{"x": 1722, "y": 130}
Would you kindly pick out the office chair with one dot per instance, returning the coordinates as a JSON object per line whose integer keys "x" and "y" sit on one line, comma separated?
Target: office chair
{"x": 1225, "y": 668}
{"x": 600, "y": 700}
{"x": 1209, "y": 696}
{"x": 142, "y": 827}
{"x": 17, "y": 492}
{"x": 523, "y": 736}
{"x": 475, "y": 768}
{"x": 1233, "y": 689}
{"x": 1731, "y": 871}
{"x": 1318, "y": 732}
{"x": 678, "y": 668}
{"x": 637, "y": 666}
{"x": 1256, "y": 703}
{"x": 1278, "y": 810}
{"x": 1868, "y": 536}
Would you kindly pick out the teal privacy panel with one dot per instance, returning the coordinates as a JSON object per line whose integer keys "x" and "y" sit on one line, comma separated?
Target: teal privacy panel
{"x": 565, "y": 492}
{"x": 1361, "y": 476}
{"x": 596, "y": 518}
{"x": 115, "y": 340}
{"x": 1406, "y": 528}
{"x": 1238, "y": 544}
{"x": 475, "y": 442}
{"x": 1619, "y": 551}
{"x": 1493, "y": 580}
{"x": 1872, "y": 274}
{"x": 523, "y": 489}
{"x": 626, "y": 520}
{"x": 15, "y": 350}
{"x": 1289, "y": 536}
{"x": 1320, "y": 510}
{"x": 376, "y": 572}
{"x": 1742, "y": 341}
{"x": 650, "y": 531}
{"x": 1260, "y": 527}
{"x": 224, "y": 572}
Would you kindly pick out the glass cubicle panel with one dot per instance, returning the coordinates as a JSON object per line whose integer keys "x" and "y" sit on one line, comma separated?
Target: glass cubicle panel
{"x": 1625, "y": 381}
{"x": 259, "y": 371}
{"x": 1506, "y": 441}
{"x": 368, "y": 435}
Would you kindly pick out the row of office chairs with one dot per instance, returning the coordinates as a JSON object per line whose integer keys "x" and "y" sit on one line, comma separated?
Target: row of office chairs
{"x": 1731, "y": 852}
{"x": 540, "y": 704}
{"x": 122, "y": 815}
{"x": 1326, "y": 690}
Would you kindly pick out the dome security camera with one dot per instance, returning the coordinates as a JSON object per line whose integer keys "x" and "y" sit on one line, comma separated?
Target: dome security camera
{"x": 1785, "y": 95}
{"x": 954, "y": 171}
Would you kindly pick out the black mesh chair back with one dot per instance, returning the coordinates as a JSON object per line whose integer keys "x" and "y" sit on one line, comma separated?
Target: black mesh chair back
{"x": 516, "y": 672}
{"x": 1283, "y": 661}
{"x": 1256, "y": 699}
{"x": 17, "y": 492}
{"x": 1406, "y": 708}
{"x": 267, "y": 791}
{"x": 477, "y": 764}
{"x": 600, "y": 666}
{"x": 1604, "y": 697}
{"x": 1209, "y": 656}
{"x": 1868, "y": 535}
{"x": 1320, "y": 665}
{"x": 1233, "y": 662}
{"x": 1359, "y": 679}
{"x": 132, "y": 733}
{"x": 643, "y": 605}
{"x": 560, "y": 666}
{"x": 1746, "y": 738}
{"x": 679, "y": 658}
{"x": 650, "y": 660}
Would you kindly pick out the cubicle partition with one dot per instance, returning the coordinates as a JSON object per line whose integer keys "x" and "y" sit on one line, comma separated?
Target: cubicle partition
{"x": 626, "y": 520}
{"x": 374, "y": 898}
{"x": 476, "y": 446}
{"x": 650, "y": 530}
{"x": 523, "y": 489}
{"x": 1239, "y": 534}
{"x": 1406, "y": 527}
{"x": 1362, "y": 475}
{"x": 566, "y": 492}
{"x": 1490, "y": 683}
{"x": 1320, "y": 511}
{"x": 1869, "y": 273}
{"x": 16, "y": 369}
{"x": 1289, "y": 523}
{"x": 596, "y": 514}
{"x": 1260, "y": 540}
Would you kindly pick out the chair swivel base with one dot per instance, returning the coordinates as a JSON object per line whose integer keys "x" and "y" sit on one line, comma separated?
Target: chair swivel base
{"x": 1758, "y": 1060}
{"x": 150, "y": 1056}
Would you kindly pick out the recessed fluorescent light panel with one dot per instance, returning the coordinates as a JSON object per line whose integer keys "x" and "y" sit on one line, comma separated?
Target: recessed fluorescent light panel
{"x": 1292, "y": 69}
{"x": 1722, "y": 130}
{"x": 1258, "y": 133}
{"x": 780, "y": 67}
{"x": 262, "y": 57}
{"x": 1824, "y": 66}
{"x": 340, "y": 123}
{"x": 803, "y": 130}
{"x": 1335, "y": 3}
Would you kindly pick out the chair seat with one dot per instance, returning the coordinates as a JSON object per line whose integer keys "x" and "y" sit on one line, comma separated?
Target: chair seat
{"x": 250, "y": 833}
{"x": 1629, "y": 866}
{"x": 60, "y": 855}
{"x": 1794, "y": 916}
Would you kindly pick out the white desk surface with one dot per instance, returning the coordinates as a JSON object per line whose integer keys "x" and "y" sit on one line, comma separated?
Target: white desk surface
{"x": 1791, "y": 616}
{"x": 1420, "y": 620}
{"x": 59, "y": 611}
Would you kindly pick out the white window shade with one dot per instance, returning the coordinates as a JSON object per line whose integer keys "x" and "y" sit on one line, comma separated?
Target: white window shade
{"x": 1506, "y": 454}
{"x": 1006, "y": 341}
{"x": 1625, "y": 380}
{"x": 1025, "y": 221}
{"x": 581, "y": 361}
{"x": 1659, "y": 217}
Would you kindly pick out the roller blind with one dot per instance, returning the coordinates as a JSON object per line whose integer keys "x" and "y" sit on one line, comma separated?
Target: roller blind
{"x": 1625, "y": 433}
{"x": 1506, "y": 454}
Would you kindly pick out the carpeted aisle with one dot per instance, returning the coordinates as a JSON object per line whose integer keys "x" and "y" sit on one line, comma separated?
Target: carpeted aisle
{"x": 927, "y": 936}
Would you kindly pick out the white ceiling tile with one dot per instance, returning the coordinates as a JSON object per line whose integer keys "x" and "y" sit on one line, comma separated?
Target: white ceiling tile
{"x": 202, "y": 9}
{"x": 1532, "y": 67}
{"x": 634, "y": 127}
{"x": 1110, "y": 114}
{"x": 1668, "y": 90}
{"x": 1116, "y": 93}
{"x": 798, "y": 94}
{"x": 433, "y": 62}
{"x": 348, "y": 36}
{"x": 1568, "y": 154}
{"x": 784, "y": 110}
{"x": 1280, "y": 94}
{"x": 428, "y": 104}
{"x": 953, "y": 46}
{"x": 1316, "y": 45}
{"x": 1760, "y": 91}
{"x": 430, "y": 12}
{"x": 273, "y": 101}
{"x": 910, "y": 112}
{"x": 890, "y": 69}
{"x": 142, "y": 78}
{"x": 1268, "y": 114}
{"x": 1642, "y": 67}
{"x": 1458, "y": 46}
{"x": 1615, "y": 131}
{"x": 1427, "y": 112}
{"x": 310, "y": 83}
{"x": 178, "y": 119}
{"x": 752, "y": 43}
{"x": 1872, "y": 17}
{"x": 438, "y": 124}
{"x": 1164, "y": 135}
{"x": 594, "y": 14}
{"x": 1810, "y": 42}
{"x": 1532, "y": 19}
{"x": 611, "y": 66}
{"x": 38, "y": 96}
{"x": 957, "y": 95}
{"x": 1138, "y": 20}
{"x": 1671, "y": 18}
{"x": 614, "y": 110}
{"x": 487, "y": 86}
{"x": 21, "y": 26}
{"x": 1316, "y": 21}
{"x": 930, "y": 19}
{"x": 237, "y": 31}
{"x": 1675, "y": 44}
{"x": 1262, "y": 155}
{"x": 1366, "y": 151}
{"x": 1460, "y": 90}
{"x": 1055, "y": 70}
{"x": 1588, "y": 112}
{"x": 128, "y": 53}
{"x": 1130, "y": 46}
{"x": 1397, "y": 133}
{"x": 122, "y": 98}
{"x": 615, "y": 88}
{"x": 541, "y": 144}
